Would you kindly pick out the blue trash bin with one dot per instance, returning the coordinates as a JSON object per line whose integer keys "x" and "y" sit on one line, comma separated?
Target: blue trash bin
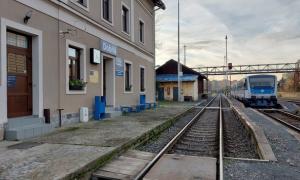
{"x": 97, "y": 108}
{"x": 143, "y": 102}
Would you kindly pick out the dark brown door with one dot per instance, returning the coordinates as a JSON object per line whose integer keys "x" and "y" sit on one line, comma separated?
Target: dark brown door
{"x": 19, "y": 75}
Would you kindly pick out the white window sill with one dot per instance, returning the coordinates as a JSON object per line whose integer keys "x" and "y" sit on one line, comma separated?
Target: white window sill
{"x": 74, "y": 92}
{"x": 127, "y": 33}
{"x": 107, "y": 22}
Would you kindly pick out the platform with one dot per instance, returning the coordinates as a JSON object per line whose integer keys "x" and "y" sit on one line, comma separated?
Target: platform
{"x": 72, "y": 151}
{"x": 284, "y": 144}
{"x": 177, "y": 167}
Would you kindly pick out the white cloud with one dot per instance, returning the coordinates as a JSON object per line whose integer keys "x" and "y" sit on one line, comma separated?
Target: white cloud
{"x": 259, "y": 31}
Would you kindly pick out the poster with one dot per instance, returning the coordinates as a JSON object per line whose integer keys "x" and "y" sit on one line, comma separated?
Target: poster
{"x": 119, "y": 67}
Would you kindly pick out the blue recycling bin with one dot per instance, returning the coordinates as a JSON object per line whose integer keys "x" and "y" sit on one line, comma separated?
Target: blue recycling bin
{"x": 102, "y": 107}
{"x": 99, "y": 110}
{"x": 143, "y": 102}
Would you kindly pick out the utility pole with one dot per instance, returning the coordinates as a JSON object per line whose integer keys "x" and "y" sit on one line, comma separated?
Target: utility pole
{"x": 184, "y": 47}
{"x": 226, "y": 61}
{"x": 179, "y": 65}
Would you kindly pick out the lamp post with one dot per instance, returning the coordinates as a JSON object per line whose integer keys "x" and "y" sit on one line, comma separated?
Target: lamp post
{"x": 226, "y": 61}
{"x": 179, "y": 65}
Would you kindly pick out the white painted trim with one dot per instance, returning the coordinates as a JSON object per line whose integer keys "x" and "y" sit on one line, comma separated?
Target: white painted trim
{"x": 143, "y": 6}
{"x": 142, "y": 42}
{"x": 114, "y": 75}
{"x": 92, "y": 27}
{"x": 129, "y": 19}
{"x": 145, "y": 84}
{"x": 112, "y": 13}
{"x": 82, "y": 66}
{"x": 87, "y": 8}
{"x": 37, "y": 67}
{"x": 131, "y": 77}
{"x": 132, "y": 5}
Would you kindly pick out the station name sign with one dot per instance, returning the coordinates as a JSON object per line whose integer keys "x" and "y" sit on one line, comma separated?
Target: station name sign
{"x": 108, "y": 48}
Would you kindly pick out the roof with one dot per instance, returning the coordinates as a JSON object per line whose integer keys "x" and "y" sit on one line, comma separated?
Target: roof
{"x": 160, "y": 4}
{"x": 174, "y": 78}
{"x": 170, "y": 67}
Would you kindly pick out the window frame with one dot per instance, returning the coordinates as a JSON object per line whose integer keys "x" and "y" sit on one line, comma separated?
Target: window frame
{"x": 128, "y": 20}
{"x": 130, "y": 78}
{"x": 143, "y": 67}
{"x": 111, "y": 13}
{"x": 87, "y": 8}
{"x": 82, "y": 70}
{"x": 142, "y": 41}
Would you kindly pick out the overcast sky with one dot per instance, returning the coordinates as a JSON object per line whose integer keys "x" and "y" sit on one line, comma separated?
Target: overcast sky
{"x": 259, "y": 31}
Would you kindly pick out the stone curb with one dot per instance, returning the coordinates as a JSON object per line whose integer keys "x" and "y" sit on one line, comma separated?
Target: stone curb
{"x": 86, "y": 171}
{"x": 258, "y": 136}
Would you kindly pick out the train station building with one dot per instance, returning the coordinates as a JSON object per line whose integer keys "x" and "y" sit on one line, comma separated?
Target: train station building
{"x": 60, "y": 54}
{"x": 193, "y": 82}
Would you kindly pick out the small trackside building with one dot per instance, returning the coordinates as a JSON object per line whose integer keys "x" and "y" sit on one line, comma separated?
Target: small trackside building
{"x": 60, "y": 54}
{"x": 193, "y": 82}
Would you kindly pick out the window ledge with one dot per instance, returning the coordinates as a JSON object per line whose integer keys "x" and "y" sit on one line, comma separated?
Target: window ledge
{"x": 107, "y": 22}
{"x": 128, "y": 92}
{"x": 127, "y": 33}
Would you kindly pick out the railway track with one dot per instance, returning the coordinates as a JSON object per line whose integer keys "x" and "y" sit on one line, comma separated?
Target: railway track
{"x": 202, "y": 136}
{"x": 290, "y": 120}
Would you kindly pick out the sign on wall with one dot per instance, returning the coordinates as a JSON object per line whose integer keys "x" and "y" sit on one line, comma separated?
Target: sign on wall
{"x": 108, "y": 47}
{"x": 94, "y": 76}
{"x": 119, "y": 67}
{"x": 95, "y": 56}
{"x": 11, "y": 81}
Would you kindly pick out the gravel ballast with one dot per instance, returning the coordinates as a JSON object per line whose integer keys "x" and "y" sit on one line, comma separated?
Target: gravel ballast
{"x": 155, "y": 145}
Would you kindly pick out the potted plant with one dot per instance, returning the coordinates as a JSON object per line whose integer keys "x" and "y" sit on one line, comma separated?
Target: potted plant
{"x": 77, "y": 84}
{"x": 128, "y": 88}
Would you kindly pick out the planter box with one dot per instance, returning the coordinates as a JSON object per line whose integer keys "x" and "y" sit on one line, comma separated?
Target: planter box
{"x": 76, "y": 88}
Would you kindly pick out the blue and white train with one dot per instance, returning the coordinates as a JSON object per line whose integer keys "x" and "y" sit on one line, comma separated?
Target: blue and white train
{"x": 256, "y": 91}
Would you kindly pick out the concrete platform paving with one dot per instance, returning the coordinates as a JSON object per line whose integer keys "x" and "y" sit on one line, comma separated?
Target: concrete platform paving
{"x": 71, "y": 152}
{"x": 177, "y": 167}
{"x": 285, "y": 146}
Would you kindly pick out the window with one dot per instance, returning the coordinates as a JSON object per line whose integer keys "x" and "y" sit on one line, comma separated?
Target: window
{"x": 74, "y": 63}
{"x": 83, "y": 2}
{"x": 125, "y": 19}
{"x": 128, "y": 76}
{"x": 17, "y": 40}
{"x": 142, "y": 79}
{"x": 75, "y": 68}
{"x": 107, "y": 10}
{"x": 141, "y": 31}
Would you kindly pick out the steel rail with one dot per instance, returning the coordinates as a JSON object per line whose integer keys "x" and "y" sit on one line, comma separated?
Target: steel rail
{"x": 170, "y": 144}
{"x": 282, "y": 121}
{"x": 221, "y": 144}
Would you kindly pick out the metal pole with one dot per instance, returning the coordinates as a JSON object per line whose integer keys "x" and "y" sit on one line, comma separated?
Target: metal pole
{"x": 184, "y": 47}
{"x": 179, "y": 66}
{"x": 226, "y": 59}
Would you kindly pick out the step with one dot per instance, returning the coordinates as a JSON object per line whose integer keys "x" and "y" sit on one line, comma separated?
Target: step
{"x": 27, "y": 132}
{"x": 24, "y": 121}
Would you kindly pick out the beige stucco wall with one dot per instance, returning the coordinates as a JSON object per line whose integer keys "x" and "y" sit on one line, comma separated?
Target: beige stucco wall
{"x": 54, "y": 60}
{"x": 189, "y": 89}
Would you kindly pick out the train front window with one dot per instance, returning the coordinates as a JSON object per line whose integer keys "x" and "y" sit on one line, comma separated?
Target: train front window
{"x": 257, "y": 82}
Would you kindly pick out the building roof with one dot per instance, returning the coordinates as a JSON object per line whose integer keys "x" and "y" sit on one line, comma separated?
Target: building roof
{"x": 160, "y": 4}
{"x": 174, "y": 78}
{"x": 170, "y": 67}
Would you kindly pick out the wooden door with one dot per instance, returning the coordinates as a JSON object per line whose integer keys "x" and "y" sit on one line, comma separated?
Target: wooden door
{"x": 19, "y": 75}
{"x": 175, "y": 93}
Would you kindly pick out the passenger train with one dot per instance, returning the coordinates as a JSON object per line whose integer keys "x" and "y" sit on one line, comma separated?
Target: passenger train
{"x": 256, "y": 91}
